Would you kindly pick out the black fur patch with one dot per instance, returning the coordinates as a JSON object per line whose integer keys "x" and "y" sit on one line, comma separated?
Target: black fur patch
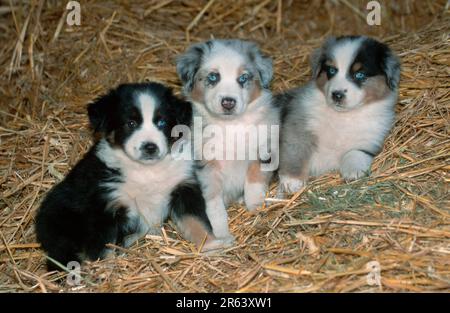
{"x": 372, "y": 55}
{"x": 187, "y": 200}
{"x": 72, "y": 219}
{"x": 110, "y": 114}
{"x": 375, "y": 57}
{"x": 75, "y": 220}
{"x": 283, "y": 102}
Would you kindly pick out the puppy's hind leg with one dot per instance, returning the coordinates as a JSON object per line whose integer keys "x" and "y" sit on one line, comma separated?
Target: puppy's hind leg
{"x": 196, "y": 230}
{"x": 188, "y": 211}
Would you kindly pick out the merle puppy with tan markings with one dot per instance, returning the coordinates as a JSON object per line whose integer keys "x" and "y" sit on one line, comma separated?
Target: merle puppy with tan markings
{"x": 228, "y": 83}
{"x": 339, "y": 120}
{"x": 128, "y": 183}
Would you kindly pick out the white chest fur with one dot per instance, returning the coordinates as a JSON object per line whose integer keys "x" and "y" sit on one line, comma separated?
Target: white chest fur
{"x": 145, "y": 189}
{"x": 339, "y": 132}
{"x": 231, "y": 171}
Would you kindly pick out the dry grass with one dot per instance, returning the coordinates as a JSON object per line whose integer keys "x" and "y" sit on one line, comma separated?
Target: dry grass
{"x": 319, "y": 240}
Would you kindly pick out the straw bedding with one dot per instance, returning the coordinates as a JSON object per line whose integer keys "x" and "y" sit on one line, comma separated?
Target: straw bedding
{"x": 321, "y": 239}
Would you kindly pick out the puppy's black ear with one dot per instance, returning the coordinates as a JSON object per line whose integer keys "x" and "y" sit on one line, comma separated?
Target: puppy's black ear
{"x": 392, "y": 69}
{"x": 181, "y": 109}
{"x": 319, "y": 56}
{"x": 189, "y": 63}
{"x": 184, "y": 112}
{"x": 99, "y": 110}
{"x": 263, "y": 65}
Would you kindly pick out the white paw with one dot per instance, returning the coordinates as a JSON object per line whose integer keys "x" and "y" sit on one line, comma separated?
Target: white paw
{"x": 349, "y": 173}
{"x": 289, "y": 185}
{"x": 108, "y": 254}
{"x": 155, "y": 231}
{"x": 218, "y": 243}
{"x": 254, "y": 195}
{"x": 218, "y": 217}
{"x": 130, "y": 240}
{"x": 220, "y": 228}
{"x": 355, "y": 165}
{"x": 252, "y": 202}
{"x": 228, "y": 240}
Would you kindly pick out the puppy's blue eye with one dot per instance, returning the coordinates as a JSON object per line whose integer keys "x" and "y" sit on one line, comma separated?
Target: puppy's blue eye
{"x": 161, "y": 124}
{"x": 213, "y": 77}
{"x": 131, "y": 124}
{"x": 360, "y": 76}
{"x": 331, "y": 71}
{"x": 243, "y": 78}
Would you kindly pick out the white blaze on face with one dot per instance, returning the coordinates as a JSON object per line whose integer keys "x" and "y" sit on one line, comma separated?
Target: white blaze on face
{"x": 343, "y": 55}
{"x": 227, "y": 62}
{"x": 146, "y": 132}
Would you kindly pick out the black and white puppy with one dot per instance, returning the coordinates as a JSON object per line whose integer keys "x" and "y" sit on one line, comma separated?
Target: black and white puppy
{"x": 128, "y": 183}
{"x": 228, "y": 83}
{"x": 338, "y": 120}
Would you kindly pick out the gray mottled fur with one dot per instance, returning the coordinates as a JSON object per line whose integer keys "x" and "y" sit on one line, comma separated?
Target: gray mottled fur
{"x": 295, "y": 145}
{"x": 298, "y": 143}
{"x": 189, "y": 62}
{"x": 227, "y": 181}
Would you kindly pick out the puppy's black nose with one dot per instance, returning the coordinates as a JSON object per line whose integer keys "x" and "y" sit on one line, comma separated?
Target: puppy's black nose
{"x": 228, "y": 103}
{"x": 149, "y": 149}
{"x": 338, "y": 95}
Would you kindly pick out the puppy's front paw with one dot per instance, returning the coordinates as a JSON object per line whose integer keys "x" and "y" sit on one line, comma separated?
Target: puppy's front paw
{"x": 289, "y": 185}
{"x": 254, "y": 195}
{"x": 228, "y": 240}
{"x": 155, "y": 230}
{"x": 218, "y": 243}
{"x": 355, "y": 164}
{"x": 350, "y": 173}
{"x": 131, "y": 239}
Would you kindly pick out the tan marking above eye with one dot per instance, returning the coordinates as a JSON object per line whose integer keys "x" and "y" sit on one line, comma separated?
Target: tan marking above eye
{"x": 356, "y": 67}
{"x": 376, "y": 89}
{"x": 330, "y": 62}
{"x": 242, "y": 70}
{"x": 203, "y": 73}
{"x": 211, "y": 71}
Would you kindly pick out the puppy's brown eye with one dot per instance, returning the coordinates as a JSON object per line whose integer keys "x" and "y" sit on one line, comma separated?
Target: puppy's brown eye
{"x": 131, "y": 124}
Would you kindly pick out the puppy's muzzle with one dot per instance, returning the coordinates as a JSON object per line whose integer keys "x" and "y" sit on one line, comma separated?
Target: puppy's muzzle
{"x": 338, "y": 96}
{"x": 149, "y": 150}
{"x": 228, "y": 104}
